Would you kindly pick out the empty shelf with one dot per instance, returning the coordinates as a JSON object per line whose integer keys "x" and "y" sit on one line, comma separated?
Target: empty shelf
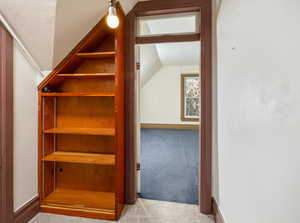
{"x": 71, "y": 94}
{"x": 87, "y": 75}
{"x": 82, "y": 131}
{"x": 89, "y": 158}
{"x": 81, "y": 199}
{"x": 109, "y": 54}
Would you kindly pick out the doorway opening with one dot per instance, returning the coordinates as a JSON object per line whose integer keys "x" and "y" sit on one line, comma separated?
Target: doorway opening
{"x": 168, "y": 109}
{"x": 168, "y": 121}
{"x": 203, "y": 33}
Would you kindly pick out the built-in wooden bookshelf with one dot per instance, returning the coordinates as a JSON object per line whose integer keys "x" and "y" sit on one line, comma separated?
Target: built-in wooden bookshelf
{"x": 81, "y": 128}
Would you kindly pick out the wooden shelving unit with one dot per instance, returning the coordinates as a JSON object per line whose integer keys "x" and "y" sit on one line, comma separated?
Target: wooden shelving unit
{"x": 81, "y": 129}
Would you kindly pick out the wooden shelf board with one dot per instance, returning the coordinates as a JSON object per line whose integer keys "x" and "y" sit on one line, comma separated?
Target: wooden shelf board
{"x": 82, "y": 131}
{"x": 89, "y": 158}
{"x": 71, "y": 94}
{"x": 109, "y": 54}
{"x": 85, "y": 213}
{"x": 87, "y": 75}
{"x": 81, "y": 199}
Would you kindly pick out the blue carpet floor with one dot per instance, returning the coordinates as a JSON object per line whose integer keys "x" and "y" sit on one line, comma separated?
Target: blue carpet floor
{"x": 169, "y": 165}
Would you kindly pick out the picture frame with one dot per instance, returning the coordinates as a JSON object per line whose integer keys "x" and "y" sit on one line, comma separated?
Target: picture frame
{"x": 190, "y": 97}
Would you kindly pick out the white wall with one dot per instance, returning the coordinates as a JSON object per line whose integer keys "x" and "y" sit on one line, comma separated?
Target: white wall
{"x": 25, "y": 130}
{"x": 258, "y": 141}
{"x": 160, "y": 96}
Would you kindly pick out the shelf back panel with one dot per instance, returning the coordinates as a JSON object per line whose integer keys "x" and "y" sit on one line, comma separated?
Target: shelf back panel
{"x": 48, "y": 178}
{"x": 83, "y": 85}
{"x": 97, "y": 66}
{"x": 85, "y": 112}
{"x": 107, "y": 44}
{"x": 87, "y": 144}
{"x": 85, "y": 177}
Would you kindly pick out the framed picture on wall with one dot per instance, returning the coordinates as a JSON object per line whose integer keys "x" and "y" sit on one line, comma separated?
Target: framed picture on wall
{"x": 190, "y": 97}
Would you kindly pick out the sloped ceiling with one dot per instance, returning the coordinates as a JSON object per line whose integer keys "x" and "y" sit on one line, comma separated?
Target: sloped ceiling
{"x": 74, "y": 18}
{"x": 154, "y": 56}
{"x": 33, "y": 22}
{"x": 175, "y": 53}
{"x": 49, "y": 29}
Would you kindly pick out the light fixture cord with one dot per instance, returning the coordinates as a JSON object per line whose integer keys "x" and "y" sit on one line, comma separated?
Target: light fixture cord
{"x": 111, "y": 3}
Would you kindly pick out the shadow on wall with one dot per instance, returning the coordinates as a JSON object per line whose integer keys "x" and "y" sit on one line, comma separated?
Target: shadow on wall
{"x": 215, "y": 158}
{"x": 169, "y": 165}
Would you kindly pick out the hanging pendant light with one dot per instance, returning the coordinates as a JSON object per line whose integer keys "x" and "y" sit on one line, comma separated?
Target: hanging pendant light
{"x": 112, "y": 17}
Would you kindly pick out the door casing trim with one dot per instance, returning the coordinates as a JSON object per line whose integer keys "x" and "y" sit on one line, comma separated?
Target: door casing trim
{"x": 156, "y": 7}
{"x": 6, "y": 125}
{"x": 30, "y": 209}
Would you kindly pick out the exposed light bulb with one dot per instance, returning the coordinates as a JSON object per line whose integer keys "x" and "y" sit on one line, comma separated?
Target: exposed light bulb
{"x": 112, "y": 18}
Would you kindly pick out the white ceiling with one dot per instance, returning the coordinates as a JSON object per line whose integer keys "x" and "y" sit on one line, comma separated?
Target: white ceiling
{"x": 154, "y": 56}
{"x": 186, "y": 53}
